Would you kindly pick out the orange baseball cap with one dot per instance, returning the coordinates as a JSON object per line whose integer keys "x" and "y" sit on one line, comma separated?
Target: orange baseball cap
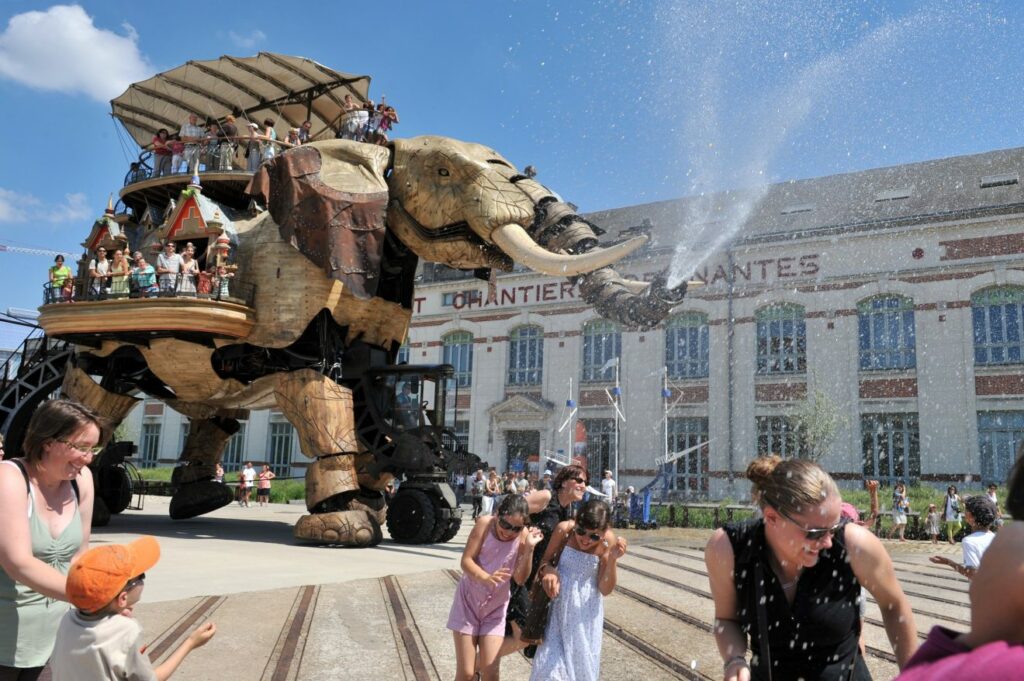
{"x": 96, "y": 578}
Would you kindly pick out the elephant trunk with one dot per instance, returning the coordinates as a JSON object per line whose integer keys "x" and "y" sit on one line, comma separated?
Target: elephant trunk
{"x": 616, "y": 298}
{"x": 558, "y": 228}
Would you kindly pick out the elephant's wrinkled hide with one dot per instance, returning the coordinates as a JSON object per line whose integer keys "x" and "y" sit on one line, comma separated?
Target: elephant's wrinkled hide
{"x": 342, "y": 232}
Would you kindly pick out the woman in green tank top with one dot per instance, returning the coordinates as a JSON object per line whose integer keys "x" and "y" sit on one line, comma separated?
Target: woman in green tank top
{"x": 46, "y": 503}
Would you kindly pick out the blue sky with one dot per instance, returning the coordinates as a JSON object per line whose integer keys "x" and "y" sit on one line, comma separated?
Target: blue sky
{"x": 615, "y": 102}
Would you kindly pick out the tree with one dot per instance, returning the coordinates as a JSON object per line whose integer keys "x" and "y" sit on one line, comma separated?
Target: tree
{"x": 816, "y": 418}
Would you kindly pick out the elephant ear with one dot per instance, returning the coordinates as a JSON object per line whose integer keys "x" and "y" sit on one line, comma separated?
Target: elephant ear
{"x": 329, "y": 200}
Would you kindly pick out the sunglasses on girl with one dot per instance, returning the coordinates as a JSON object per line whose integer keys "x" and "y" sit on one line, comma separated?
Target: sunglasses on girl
{"x": 583, "y": 532}
{"x": 815, "y": 533}
{"x": 506, "y": 525}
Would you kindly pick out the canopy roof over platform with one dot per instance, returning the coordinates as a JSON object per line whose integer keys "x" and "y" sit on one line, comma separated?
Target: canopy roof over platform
{"x": 285, "y": 88}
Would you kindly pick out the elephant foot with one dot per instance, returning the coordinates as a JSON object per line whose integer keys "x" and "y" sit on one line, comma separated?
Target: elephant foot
{"x": 197, "y": 498}
{"x": 345, "y": 528}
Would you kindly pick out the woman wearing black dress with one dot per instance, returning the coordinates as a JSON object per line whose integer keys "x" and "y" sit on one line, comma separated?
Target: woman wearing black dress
{"x": 790, "y": 581}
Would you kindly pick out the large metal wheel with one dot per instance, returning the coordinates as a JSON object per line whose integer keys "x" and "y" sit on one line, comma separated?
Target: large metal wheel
{"x": 448, "y": 529}
{"x": 412, "y": 517}
{"x": 114, "y": 487}
{"x": 38, "y": 378}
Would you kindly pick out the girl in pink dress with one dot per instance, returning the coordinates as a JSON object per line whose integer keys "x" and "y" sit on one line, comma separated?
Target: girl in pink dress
{"x": 500, "y": 547}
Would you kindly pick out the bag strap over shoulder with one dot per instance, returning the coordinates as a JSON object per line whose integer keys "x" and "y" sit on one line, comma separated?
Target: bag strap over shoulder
{"x": 28, "y": 487}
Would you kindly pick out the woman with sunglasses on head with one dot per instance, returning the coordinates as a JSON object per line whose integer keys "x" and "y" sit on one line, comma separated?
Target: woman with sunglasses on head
{"x": 499, "y": 549}
{"x": 46, "y": 501}
{"x": 577, "y": 571}
{"x": 800, "y": 568}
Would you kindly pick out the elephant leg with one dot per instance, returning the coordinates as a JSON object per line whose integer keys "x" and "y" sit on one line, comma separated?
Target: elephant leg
{"x": 197, "y": 493}
{"x": 111, "y": 483}
{"x": 345, "y": 506}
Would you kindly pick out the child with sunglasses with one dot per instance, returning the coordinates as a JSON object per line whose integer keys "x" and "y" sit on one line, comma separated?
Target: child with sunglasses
{"x": 499, "y": 548}
{"x": 100, "y": 639}
{"x": 578, "y": 570}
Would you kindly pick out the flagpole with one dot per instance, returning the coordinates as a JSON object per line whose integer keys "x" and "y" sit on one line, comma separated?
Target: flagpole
{"x": 618, "y": 399}
{"x": 665, "y": 395}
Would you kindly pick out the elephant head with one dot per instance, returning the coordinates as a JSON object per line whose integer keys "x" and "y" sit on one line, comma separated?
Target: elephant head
{"x": 464, "y": 205}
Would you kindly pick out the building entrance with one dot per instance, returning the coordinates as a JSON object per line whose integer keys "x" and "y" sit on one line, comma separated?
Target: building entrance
{"x": 520, "y": 445}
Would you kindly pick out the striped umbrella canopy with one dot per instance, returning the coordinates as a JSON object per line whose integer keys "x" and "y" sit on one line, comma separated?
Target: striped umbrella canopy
{"x": 287, "y": 89}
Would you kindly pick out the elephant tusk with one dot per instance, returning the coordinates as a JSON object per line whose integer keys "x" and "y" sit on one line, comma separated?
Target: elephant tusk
{"x": 517, "y": 244}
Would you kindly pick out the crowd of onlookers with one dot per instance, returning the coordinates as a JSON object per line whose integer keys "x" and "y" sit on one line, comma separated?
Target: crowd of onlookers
{"x": 213, "y": 145}
{"x": 173, "y": 275}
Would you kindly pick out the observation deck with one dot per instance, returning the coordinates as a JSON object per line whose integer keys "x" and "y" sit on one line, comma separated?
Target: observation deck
{"x": 89, "y": 317}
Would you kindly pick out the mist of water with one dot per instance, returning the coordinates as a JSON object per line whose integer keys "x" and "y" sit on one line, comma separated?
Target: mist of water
{"x": 710, "y": 220}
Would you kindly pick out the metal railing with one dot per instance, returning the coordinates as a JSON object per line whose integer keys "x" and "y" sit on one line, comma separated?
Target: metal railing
{"x": 203, "y": 286}
{"x": 221, "y": 154}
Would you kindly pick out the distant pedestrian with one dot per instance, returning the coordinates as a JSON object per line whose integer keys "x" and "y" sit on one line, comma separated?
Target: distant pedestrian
{"x": 951, "y": 513}
{"x": 992, "y": 495}
{"x": 609, "y": 488}
{"x": 477, "y": 487}
{"x": 900, "y": 509}
{"x": 933, "y": 523}
{"x": 249, "y": 474}
{"x": 263, "y": 490}
{"x": 980, "y": 514}
{"x": 218, "y": 473}
{"x": 499, "y": 549}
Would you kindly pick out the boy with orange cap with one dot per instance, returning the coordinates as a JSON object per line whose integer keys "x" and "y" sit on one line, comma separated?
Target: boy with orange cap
{"x": 99, "y": 639}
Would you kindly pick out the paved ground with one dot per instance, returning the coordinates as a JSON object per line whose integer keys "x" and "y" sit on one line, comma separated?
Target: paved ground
{"x": 287, "y": 611}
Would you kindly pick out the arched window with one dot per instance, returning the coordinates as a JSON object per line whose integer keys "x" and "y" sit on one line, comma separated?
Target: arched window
{"x": 686, "y": 345}
{"x": 885, "y": 330}
{"x": 781, "y": 339}
{"x": 602, "y": 345}
{"x": 458, "y": 351}
{"x": 998, "y": 316}
{"x": 526, "y": 356}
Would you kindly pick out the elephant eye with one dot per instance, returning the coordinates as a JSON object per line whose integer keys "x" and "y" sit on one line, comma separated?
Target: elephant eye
{"x": 443, "y": 172}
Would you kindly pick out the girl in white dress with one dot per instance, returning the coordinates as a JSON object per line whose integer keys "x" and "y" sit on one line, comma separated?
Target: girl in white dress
{"x": 578, "y": 570}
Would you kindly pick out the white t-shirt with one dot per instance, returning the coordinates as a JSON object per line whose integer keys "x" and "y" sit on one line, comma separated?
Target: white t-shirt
{"x": 107, "y": 648}
{"x": 974, "y": 546}
{"x": 249, "y": 473}
{"x": 608, "y": 487}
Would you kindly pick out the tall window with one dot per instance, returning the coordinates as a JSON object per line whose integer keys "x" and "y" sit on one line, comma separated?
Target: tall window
{"x": 600, "y": 451}
{"x": 999, "y": 435}
{"x": 998, "y": 316}
{"x": 686, "y": 345}
{"x": 458, "y": 351}
{"x": 781, "y": 340}
{"x": 403, "y": 354}
{"x": 149, "y": 444}
{"x": 891, "y": 447}
{"x": 234, "y": 452}
{"x": 462, "y": 435}
{"x": 602, "y": 346}
{"x": 689, "y": 473}
{"x": 282, "y": 435}
{"x": 526, "y": 356}
{"x": 183, "y": 434}
{"x": 778, "y": 435}
{"x": 886, "y": 333}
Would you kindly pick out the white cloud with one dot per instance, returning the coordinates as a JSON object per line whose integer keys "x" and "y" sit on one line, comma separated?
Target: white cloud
{"x": 61, "y": 49}
{"x": 249, "y": 40}
{"x": 21, "y": 208}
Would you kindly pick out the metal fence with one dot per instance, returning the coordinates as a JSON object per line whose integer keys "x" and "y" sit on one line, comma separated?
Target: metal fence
{"x": 202, "y": 286}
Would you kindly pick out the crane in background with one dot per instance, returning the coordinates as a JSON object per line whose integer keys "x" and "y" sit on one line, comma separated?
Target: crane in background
{"x": 8, "y": 248}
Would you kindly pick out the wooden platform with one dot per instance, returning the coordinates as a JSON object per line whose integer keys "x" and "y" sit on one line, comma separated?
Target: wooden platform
{"x": 222, "y": 186}
{"x": 216, "y": 318}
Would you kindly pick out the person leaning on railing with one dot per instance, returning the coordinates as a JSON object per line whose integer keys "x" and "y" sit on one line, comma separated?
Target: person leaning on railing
{"x": 119, "y": 271}
{"x": 61, "y": 281}
{"x": 226, "y": 134}
{"x": 161, "y": 153}
{"x": 189, "y": 271}
{"x": 143, "y": 277}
